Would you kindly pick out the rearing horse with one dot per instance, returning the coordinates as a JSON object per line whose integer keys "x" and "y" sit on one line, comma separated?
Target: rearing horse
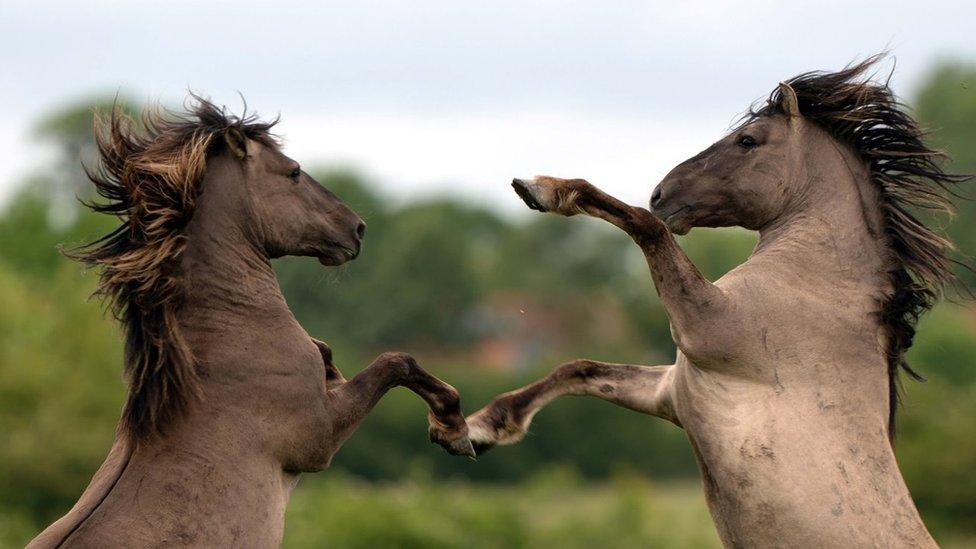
{"x": 229, "y": 398}
{"x": 785, "y": 374}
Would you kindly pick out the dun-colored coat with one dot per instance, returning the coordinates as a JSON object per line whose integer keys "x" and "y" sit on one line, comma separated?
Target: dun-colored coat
{"x": 229, "y": 398}
{"x": 784, "y": 380}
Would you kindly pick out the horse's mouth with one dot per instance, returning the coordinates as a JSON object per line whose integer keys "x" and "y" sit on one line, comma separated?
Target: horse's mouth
{"x": 674, "y": 220}
{"x": 338, "y": 255}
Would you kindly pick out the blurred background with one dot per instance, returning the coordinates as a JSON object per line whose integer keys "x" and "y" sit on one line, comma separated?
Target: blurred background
{"x": 419, "y": 116}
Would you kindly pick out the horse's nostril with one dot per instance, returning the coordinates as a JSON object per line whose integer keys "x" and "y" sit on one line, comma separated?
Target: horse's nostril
{"x": 656, "y": 197}
{"x": 361, "y": 230}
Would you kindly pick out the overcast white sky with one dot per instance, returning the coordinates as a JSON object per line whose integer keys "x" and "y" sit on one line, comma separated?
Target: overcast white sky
{"x": 459, "y": 97}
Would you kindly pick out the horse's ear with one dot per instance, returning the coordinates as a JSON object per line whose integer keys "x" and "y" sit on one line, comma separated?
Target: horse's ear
{"x": 236, "y": 142}
{"x": 791, "y": 106}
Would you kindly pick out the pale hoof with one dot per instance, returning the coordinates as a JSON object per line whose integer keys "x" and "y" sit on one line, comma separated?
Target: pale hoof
{"x": 529, "y": 191}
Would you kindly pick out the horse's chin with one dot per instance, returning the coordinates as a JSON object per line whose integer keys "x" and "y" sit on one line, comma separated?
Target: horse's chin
{"x": 679, "y": 222}
{"x": 677, "y": 219}
{"x": 337, "y": 255}
{"x": 334, "y": 259}
{"x": 679, "y": 229}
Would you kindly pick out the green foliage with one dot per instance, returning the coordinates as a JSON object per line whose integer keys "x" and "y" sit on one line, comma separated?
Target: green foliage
{"x": 947, "y": 106}
{"x": 29, "y": 243}
{"x": 936, "y": 450}
{"x": 61, "y": 391}
{"x": 936, "y": 447}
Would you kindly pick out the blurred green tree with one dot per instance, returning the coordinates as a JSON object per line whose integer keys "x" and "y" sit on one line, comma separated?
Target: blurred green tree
{"x": 946, "y": 104}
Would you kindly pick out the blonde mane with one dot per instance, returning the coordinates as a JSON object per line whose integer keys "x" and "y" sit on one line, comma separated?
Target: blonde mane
{"x": 150, "y": 175}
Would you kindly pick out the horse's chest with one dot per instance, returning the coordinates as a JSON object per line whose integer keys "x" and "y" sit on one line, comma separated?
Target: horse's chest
{"x": 781, "y": 337}
{"x": 276, "y": 360}
{"x": 299, "y": 360}
{"x": 793, "y": 312}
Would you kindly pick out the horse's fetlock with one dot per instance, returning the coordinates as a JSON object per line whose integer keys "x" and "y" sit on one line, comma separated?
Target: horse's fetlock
{"x": 579, "y": 368}
{"x": 565, "y": 371}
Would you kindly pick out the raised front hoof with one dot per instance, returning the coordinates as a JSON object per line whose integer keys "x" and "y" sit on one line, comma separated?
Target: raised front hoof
{"x": 527, "y": 189}
{"x": 456, "y": 446}
{"x": 550, "y": 194}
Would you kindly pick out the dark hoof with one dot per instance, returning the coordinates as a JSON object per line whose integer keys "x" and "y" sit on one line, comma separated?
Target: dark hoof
{"x": 463, "y": 447}
{"x": 457, "y": 447}
{"x": 522, "y": 189}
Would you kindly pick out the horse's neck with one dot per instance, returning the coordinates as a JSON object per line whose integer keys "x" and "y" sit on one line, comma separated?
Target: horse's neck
{"x": 227, "y": 278}
{"x": 834, "y": 235}
{"x": 230, "y": 288}
{"x": 238, "y": 327}
{"x": 211, "y": 472}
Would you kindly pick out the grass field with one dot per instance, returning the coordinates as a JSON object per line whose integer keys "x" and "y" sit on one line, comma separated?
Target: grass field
{"x": 556, "y": 510}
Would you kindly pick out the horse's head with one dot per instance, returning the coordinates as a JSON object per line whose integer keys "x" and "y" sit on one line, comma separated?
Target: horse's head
{"x": 743, "y": 179}
{"x": 843, "y": 144}
{"x": 188, "y": 187}
{"x": 288, "y": 212}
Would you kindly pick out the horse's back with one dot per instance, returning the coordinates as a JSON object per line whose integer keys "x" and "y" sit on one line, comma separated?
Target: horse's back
{"x": 57, "y": 534}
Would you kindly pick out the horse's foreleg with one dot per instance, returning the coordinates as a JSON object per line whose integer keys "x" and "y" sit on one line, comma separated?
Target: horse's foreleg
{"x": 353, "y": 400}
{"x": 688, "y": 297}
{"x": 646, "y": 389}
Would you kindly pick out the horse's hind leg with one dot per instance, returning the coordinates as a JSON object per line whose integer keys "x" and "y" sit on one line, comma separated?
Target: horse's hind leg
{"x": 354, "y": 399}
{"x": 506, "y": 419}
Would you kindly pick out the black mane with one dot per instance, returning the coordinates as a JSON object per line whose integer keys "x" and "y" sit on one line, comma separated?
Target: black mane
{"x": 868, "y": 116}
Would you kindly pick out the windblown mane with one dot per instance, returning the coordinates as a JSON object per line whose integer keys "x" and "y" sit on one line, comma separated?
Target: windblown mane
{"x": 867, "y": 116}
{"x": 150, "y": 175}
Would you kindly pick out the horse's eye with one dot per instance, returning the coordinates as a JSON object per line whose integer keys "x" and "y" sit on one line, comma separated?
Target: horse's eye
{"x": 747, "y": 141}
{"x": 295, "y": 174}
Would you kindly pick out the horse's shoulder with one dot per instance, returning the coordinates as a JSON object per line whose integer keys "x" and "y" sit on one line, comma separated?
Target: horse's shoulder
{"x": 768, "y": 284}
